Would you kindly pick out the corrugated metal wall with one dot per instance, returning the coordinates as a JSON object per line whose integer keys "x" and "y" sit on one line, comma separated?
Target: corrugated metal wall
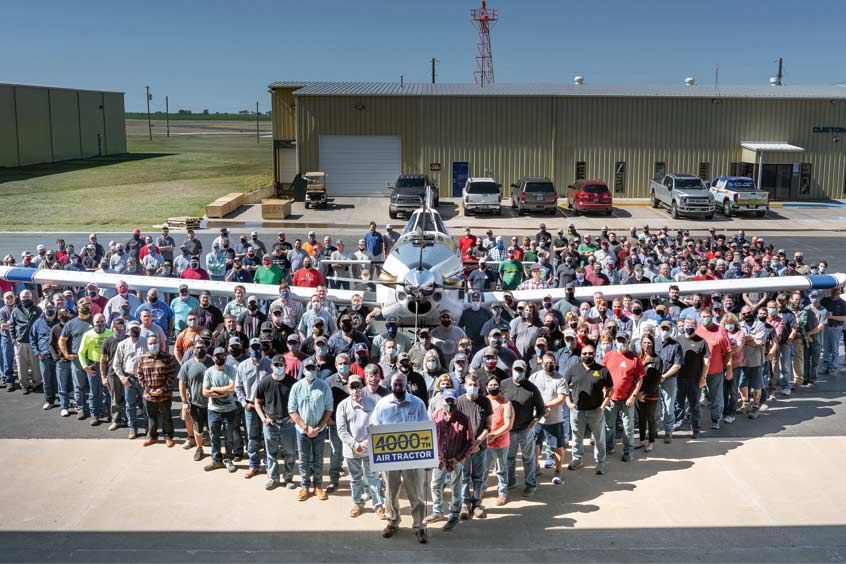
{"x": 517, "y": 136}
{"x": 39, "y": 124}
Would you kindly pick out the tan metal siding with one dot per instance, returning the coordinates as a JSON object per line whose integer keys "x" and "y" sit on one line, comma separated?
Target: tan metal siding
{"x": 115, "y": 126}
{"x": 91, "y": 122}
{"x": 64, "y": 119}
{"x": 33, "y": 114}
{"x": 284, "y": 113}
{"x": 8, "y": 128}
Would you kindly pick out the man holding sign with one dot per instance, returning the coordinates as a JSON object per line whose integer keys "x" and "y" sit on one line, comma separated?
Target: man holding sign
{"x": 397, "y": 409}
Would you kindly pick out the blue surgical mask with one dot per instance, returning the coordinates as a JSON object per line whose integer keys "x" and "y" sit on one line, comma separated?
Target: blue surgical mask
{"x": 473, "y": 390}
{"x": 344, "y": 370}
{"x": 391, "y": 352}
{"x": 255, "y": 353}
{"x": 322, "y": 351}
{"x": 476, "y": 305}
{"x": 279, "y": 370}
{"x": 519, "y": 376}
{"x": 310, "y": 375}
{"x": 284, "y": 295}
{"x": 500, "y": 246}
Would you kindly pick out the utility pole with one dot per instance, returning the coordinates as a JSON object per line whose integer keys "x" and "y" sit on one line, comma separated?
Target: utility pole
{"x": 257, "y": 123}
{"x": 433, "y": 70}
{"x": 780, "y": 73}
{"x": 149, "y": 123}
{"x": 167, "y": 116}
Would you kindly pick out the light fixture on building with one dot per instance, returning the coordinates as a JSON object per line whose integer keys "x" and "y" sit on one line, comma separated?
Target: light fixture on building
{"x": 359, "y": 107}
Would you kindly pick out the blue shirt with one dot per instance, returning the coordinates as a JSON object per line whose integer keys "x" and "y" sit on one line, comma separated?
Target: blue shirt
{"x": 310, "y": 400}
{"x": 180, "y": 309}
{"x": 374, "y": 242}
{"x": 160, "y": 312}
{"x": 389, "y": 411}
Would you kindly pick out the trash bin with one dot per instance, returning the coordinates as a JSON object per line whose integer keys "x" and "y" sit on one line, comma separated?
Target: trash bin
{"x": 298, "y": 187}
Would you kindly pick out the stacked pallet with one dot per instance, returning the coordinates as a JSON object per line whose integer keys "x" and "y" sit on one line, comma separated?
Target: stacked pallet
{"x": 225, "y": 205}
{"x": 184, "y": 222}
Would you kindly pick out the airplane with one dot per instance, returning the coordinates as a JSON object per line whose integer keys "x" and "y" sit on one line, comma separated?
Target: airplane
{"x": 420, "y": 278}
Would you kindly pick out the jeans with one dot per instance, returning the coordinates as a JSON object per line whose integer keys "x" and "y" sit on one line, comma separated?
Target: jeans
{"x": 64, "y": 380}
{"x": 363, "y": 479}
{"x": 499, "y": 457}
{"x": 336, "y": 454}
{"x": 29, "y": 375}
{"x": 669, "y": 390}
{"x": 831, "y": 348}
{"x": 714, "y": 393}
{"x": 474, "y": 474}
{"x": 280, "y": 436}
{"x": 785, "y": 366}
{"x": 441, "y": 478}
{"x": 158, "y": 414}
{"x": 134, "y": 404}
{"x": 614, "y": 407}
{"x": 254, "y": 436}
{"x": 98, "y": 395}
{"x": 222, "y": 425}
{"x": 730, "y": 394}
{"x": 580, "y": 419}
{"x": 311, "y": 458}
{"x": 688, "y": 395}
{"x": 80, "y": 386}
{"x": 525, "y": 442}
{"x": 48, "y": 375}
{"x": 812, "y": 358}
{"x": 7, "y": 359}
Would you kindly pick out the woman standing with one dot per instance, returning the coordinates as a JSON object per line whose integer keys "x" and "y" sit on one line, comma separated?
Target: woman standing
{"x": 647, "y": 399}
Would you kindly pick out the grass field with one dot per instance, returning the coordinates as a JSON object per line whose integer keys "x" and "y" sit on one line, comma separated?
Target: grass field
{"x": 199, "y": 117}
{"x": 157, "y": 179}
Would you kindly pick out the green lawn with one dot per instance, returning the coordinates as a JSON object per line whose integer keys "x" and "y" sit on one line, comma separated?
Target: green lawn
{"x": 157, "y": 179}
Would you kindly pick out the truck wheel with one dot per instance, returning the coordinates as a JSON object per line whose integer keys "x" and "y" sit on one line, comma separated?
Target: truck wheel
{"x": 726, "y": 209}
{"x": 674, "y": 211}
{"x": 761, "y": 213}
{"x": 499, "y": 211}
{"x": 654, "y": 200}
{"x": 609, "y": 212}
{"x": 709, "y": 216}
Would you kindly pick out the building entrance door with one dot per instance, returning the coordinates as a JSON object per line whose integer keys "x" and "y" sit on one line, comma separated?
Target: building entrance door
{"x": 777, "y": 179}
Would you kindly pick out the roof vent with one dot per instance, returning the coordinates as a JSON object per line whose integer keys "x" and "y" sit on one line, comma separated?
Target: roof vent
{"x": 773, "y": 81}
{"x": 690, "y": 81}
{"x": 578, "y": 80}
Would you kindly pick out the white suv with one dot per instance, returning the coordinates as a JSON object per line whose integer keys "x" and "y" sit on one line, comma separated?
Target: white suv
{"x": 481, "y": 194}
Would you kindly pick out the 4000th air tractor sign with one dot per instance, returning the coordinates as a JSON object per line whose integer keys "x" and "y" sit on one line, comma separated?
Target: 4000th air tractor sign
{"x": 403, "y": 446}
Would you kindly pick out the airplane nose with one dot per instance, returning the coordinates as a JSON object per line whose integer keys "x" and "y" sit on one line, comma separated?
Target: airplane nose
{"x": 419, "y": 283}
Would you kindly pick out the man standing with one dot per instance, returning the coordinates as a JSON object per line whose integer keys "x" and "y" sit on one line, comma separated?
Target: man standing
{"x": 590, "y": 387}
{"x": 272, "y": 396}
{"x": 477, "y": 408}
{"x": 671, "y": 356}
{"x": 194, "y": 406}
{"x": 90, "y": 353}
{"x": 528, "y": 407}
{"x": 352, "y": 419}
{"x": 71, "y": 338}
{"x": 402, "y": 407}
{"x": 455, "y": 441}
{"x": 696, "y": 357}
{"x": 375, "y": 242}
{"x": 250, "y": 372}
{"x": 719, "y": 367}
{"x": 219, "y": 387}
{"x": 310, "y": 408}
{"x": 627, "y": 373}
{"x": 24, "y": 315}
{"x": 553, "y": 389}
{"x": 125, "y": 364}
{"x": 156, "y": 372}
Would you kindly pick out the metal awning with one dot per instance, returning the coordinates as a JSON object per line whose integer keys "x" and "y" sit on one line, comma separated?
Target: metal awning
{"x": 771, "y": 146}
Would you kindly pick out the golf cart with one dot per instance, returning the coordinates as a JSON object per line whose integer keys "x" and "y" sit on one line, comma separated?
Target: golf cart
{"x": 315, "y": 190}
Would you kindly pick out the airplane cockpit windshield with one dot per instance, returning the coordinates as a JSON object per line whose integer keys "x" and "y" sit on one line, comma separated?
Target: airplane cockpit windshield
{"x": 428, "y": 221}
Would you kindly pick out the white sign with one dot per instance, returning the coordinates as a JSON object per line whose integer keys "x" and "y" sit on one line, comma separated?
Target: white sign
{"x": 403, "y": 446}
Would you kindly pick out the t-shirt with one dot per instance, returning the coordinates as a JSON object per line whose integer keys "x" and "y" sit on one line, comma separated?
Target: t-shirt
{"x": 587, "y": 385}
{"x": 526, "y": 401}
{"x": 625, "y": 371}
{"x": 511, "y": 272}
{"x": 193, "y": 372}
{"x": 694, "y": 351}
{"x": 652, "y": 379}
{"x": 550, "y": 387}
{"x": 274, "y": 395}
{"x": 718, "y": 344}
{"x": 73, "y": 332}
{"x": 214, "y": 377}
{"x": 472, "y": 321}
{"x": 477, "y": 411}
{"x": 209, "y": 317}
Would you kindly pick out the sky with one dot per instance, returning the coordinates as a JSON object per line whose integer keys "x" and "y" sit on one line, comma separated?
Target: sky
{"x": 221, "y": 56}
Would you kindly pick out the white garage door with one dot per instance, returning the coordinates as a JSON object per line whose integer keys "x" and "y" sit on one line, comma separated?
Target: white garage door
{"x": 359, "y": 165}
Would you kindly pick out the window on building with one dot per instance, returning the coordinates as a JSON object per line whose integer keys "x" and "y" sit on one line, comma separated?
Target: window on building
{"x": 620, "y": 176}
{"x": 660, "y": 170}
{"x": 581, "y": 168}
{"x": 705, "y": 171}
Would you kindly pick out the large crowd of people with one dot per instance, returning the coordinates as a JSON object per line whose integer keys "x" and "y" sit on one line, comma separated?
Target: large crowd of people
{"x": 276, "y": 384}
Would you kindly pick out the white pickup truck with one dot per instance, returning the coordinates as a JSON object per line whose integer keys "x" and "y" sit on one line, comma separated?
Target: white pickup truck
{"x": 737, "y": 194}
{"x": 684, "y": 195}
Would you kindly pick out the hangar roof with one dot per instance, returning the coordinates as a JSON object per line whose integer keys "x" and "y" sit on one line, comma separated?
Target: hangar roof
{"x": 307, "y": 88}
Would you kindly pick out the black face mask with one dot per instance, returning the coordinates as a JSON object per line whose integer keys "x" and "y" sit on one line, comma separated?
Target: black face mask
{"x": 252, "y": 307}
{"x": 587, "y": 360}
{"x": 220, "y": 360}
{"x": 135, "y": 332}
{"x": 26, "y": 303}
{"x": 153, "y": 299}
{"x": 550, "y": 326}
{"x": 236, "y": 351}
{"x": 346, "y": 326}
{"x": 200, "y": 352}
{"x": 493, "y": 391}
{"x": 749, "y": 318}
{"x": 399, "y": 392}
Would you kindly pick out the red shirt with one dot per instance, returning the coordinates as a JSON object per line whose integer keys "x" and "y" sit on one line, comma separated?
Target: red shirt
{"x": 625, "y": 369}
{"x": 190, "y": 274}
{"x": 718, "y": 344}
{"x": 98, "y": 304}
{"x": 308, "y": 278}
{"x": 145, "y": 251}
{"x": 466, "y": 242}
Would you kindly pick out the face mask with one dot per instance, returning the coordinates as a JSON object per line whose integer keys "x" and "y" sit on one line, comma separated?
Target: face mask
{"x": 490, "y": 363}
{"x": 822, "y": 270}
{"x": 689, "y": 331}
{"x": 405, "y": 368}
{"x": 293, "y": 347}
{"x": 346, "y": 326}
{"x": 321, "y": 351}
{"x": 191, "y": 323}
{"x": 284, "y": 295}
{"x": 199, "y": 351}
{"x": 26, "y": 303}
{"x": 465, "y": 350}
{"x": 707, "y": 321}
{"x": 637, "y": 311}
{"x": 255, "y": 353}
{"x": 730, "y": 326}
{"x": 99, "y": 327}
{"x": 83, "y": 311}
{"x": 315, "y": 306}
{"x": 252, "y": 307}
{"x": 496, "y": 343}
{"x": 310, "y": 375}
{"x": 605, "y": 347}
{"x": 431, "y": 366}
{"x": 185, "y": 298}
{"x": 569, "y": 342}
{"x": 392, "y": 329}
{"x": 500, "y": 246}
{"x": 135, "y": 332}
{"x": 235, "y": 351}
{"x": 539, "y": 351}
{"x": 620, "y": 346}
{"x": 446, "y": 322}
{"x": 153, "y": 348}
{"x": 493, "y": 391}
{"x": 519, "y": 376}
{"x": 475, "y": 305}
{"x": 617, "y": 311}
{"x": 580, "y": 278}
{"x": 772, "y": 311}
{"x": 527, "y": 315}
{"x": 587, "y": 359}
{"x": 361, "y": 360}
{"x": 357, "y": 394}
{"x": 449, "y": 407}
{"x": 120, "y": 252}
{"x": 194, "y": 265}
{"x": 665, "y": 335}
{"x": 153, "y": 299}
{"x": 279, "y": 370}
{"x": 344, "y": 370}
{"x": 356, "y": 306}
{"x": 473, "y": 391}
{"x": 548, "y": 368}
{"x": 391, "y": 352}
{"x": 496, "y": 313}
{"x": 92, "y": 293}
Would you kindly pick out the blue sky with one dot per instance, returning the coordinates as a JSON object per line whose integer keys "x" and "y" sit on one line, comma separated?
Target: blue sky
{"x": 221, "y": 55}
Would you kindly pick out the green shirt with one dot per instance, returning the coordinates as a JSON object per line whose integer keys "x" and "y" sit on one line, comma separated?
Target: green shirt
{"x": 91, "y": 346}
{"x": 511, "y": 272}
{"x": 273, "y": 275}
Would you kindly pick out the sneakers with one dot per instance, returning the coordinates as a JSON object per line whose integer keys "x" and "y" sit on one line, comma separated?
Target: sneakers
{"x": 95, "y": 422}
{"x": 380, "y": 513}
{"x": 479, "y": 512}
{"x": 189, "y": 444}
{"x": 728, "y": 419}
{"x": 697, "y": 434}
{"x": 198, "y": 454}
{"x": 549, "y": 463}
{"x": 501, "y": 500}
{"x": 786, "y": 393}
{"x": 356, "y": 511}
{"x": 464, "y": 513}
{"x": 575, "y": 465}
{"x": 81, "y": 415}
{"x": 132, "y": 434}
{"x": 214, "y": 465}
{"x": 302, "y": 494}
{"x": 47, "y": 405}
{"x": 529, "y": 491}
{"x": 626, "y": 457}
{"x": 331, "y": 487}
{"x": 64, "y": 412}
{"x": 434, "y": 518}
{"x": 12, "y": 387}
{"x": 321, "y": 494}
{"x": 114, "y": 426}
{"x": 648, "y": 447}
{"x": 450, "y": 524}
{"x": 291, "y": 485}
{"x": 422, "y": 536}
{"x": 744, "y": 407}
{"x": 556, "y": 478}
{"x": 271, "y": 485}
{"x": 230, "y": 466}
{"x": 388, "y": 531}
{"x": 600, "y": 469}
{"x": 715, "y": 425}
{"x": 27, "y": 390}
{"x": 668, "y": 437}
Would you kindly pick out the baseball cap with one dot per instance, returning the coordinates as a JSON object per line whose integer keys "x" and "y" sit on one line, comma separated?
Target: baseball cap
{"x": 309, "y": 362}
{"x": 355, "y": 379}
{"x": 449, "y": 393}
{"x": 490, "y": 351}
{"x": 495, "y": 331}
{"x": 519, "y": 364}
{"x": 278, "y": 360}
{"x": 666, "y": 324}
{"x": 219, "y": 350}
{"x": 183, "y": 287}
{"x": 255, "y": 341}
{"x": 359, "y": 347}
{"x": 622, "y": 334}
{"x": 460, "y": 357}
{"x": 392, "y": 319}
{"x": 252, "y": 299}
{"x": 540, "y": 341}
{"x": 403, "y": 356}
{"x": 570, "y": 333}
{"x": 234, "y": 341}
{"x": 293, "y": 338}
{"x": 814, "y": 294}
{"x": 321, "y": 339}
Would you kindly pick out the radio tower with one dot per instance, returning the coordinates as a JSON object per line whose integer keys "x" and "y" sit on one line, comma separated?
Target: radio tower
{"x": 483, "y": 18}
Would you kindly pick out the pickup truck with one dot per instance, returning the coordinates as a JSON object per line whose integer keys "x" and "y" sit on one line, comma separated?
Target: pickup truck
{"x": 684, "y": 195}
{"x": 408, "y": 192}
{"x": 736, "y": 194}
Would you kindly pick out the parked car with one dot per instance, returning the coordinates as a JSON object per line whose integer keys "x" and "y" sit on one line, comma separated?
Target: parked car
{"x": 408, "y": 192}
{"x": 738, "y": 194}
{"x": 589, "y": 195}
{"x": 683, "y": 194}
{"x": 534, "y": 193}
{"x": 481, "y": 194}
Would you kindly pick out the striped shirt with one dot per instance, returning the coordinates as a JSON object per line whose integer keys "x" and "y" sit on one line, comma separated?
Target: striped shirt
{"x": 157, "y": 372}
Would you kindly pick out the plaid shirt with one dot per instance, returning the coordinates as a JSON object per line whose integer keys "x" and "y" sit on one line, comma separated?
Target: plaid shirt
{"x": 455, "y": 438}
{"x": 155, "y": 372}
{"x": 532, "y": 285}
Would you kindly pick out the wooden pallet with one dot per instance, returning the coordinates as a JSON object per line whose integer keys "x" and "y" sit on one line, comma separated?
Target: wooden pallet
{"x": 184, "y": 222}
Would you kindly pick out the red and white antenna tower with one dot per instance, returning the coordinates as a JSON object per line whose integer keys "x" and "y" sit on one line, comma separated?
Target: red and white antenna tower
{"x": 484, "y": 18}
